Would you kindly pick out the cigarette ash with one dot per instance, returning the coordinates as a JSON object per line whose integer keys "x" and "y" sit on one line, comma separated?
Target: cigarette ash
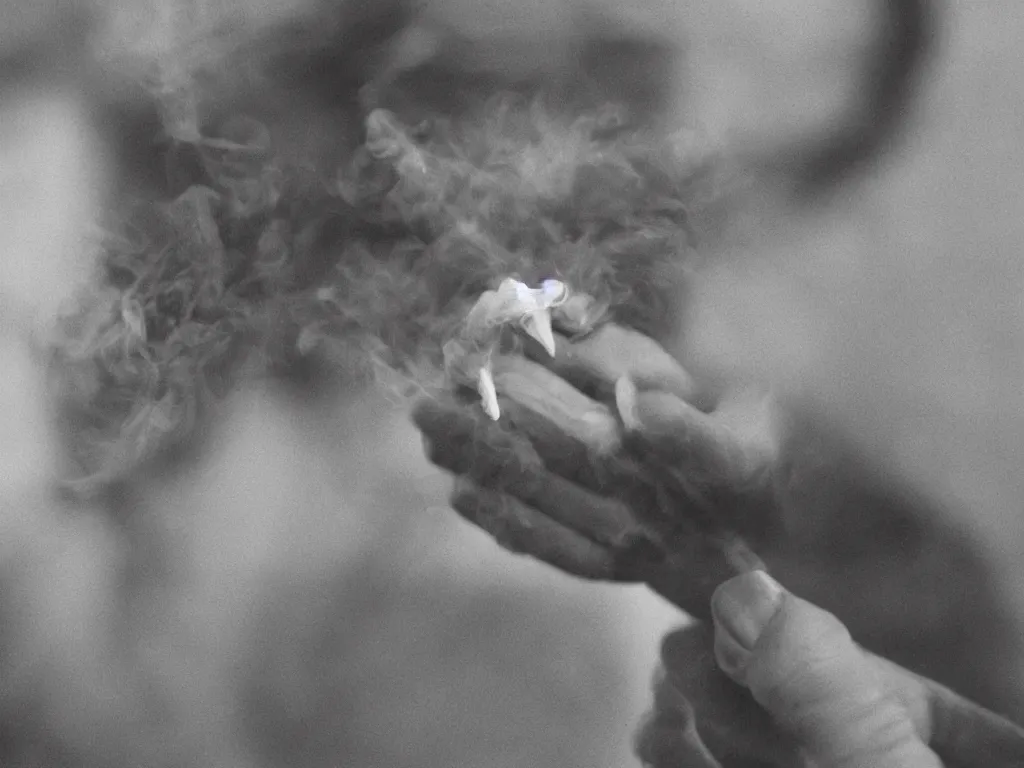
{"x": 264, "y": 263}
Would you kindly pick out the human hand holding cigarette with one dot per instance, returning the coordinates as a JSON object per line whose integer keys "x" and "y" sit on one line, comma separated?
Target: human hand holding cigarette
{"x": 598, "y": 464}
{"x": 568, "y": 473}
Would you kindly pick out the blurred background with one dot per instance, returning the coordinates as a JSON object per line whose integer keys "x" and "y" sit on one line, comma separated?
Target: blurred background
{"x": 302, "y": 596}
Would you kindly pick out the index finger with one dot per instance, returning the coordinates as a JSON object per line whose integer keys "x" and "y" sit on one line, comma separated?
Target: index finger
{"x": 465, "y": 443}
{"x": 595, "y": 362}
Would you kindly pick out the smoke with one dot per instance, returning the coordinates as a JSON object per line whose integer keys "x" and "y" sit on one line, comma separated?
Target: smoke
{"x": 896, "y": 318}
{"x": 262, "y": 262}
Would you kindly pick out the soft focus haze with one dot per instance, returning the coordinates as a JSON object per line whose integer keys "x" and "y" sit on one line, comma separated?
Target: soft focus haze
{"x": 901, "y": 311}
{"x": 898, "y": 311}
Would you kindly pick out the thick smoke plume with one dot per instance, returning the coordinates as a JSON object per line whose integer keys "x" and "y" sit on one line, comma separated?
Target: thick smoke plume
{"x": 266, "y": 258}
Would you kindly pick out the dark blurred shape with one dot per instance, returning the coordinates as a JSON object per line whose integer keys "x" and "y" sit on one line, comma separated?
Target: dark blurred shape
{"x": 609, "y": 66}
{"x": 903, "y": 572}
{"x": 334, "y": 61}
{"x": 361, "y": 54}
{"x": 41, "y": 37}
{"x": 892, "y": 72}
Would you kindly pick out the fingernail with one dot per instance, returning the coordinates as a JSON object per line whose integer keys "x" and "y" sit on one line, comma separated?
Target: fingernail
{"x": 743, "y": 606}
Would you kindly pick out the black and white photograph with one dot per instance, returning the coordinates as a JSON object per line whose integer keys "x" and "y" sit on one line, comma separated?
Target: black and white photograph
{"x": 511, "y": 384}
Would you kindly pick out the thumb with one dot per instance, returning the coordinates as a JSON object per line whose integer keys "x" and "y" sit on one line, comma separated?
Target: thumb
{"x": 802, "y": 666}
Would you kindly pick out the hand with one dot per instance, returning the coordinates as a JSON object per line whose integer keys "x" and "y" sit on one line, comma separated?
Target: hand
{"x": 641, "y": 487}
{"x": 834, "y": 703}
{"x": 564, "y": 494}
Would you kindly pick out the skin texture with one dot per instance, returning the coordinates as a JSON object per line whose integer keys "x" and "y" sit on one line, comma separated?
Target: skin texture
{"x": 838, "y": 704}
{"x": 840, "y": 538}
{"x": 588, "y": 523}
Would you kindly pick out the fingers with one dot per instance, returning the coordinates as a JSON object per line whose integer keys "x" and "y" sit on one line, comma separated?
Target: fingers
{"x": 519, "y": 528}
{"x": 594, "y": 363}
{"x": 453, "y": 430}
{"x": 562, "y": 405}
{"x": 621, "y": 508}
{"x": 679, "y": 434}
{"x": 466, "y": 443}
{"x": 702, "y": 467}
{"x": 568, "y": 455}
{"x": 463, "y": 441}
{"x": 802, "y": 666}
{"x": 707, "y": 462}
